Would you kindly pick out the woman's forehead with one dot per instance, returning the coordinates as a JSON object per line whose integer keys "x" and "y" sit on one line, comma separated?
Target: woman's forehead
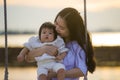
{"x": 60, "y": 21}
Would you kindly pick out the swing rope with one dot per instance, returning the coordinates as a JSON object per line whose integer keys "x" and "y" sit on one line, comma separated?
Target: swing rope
{"x": 6, "y": 47}
{"x": 85, "y": 19}
{"x": 85, "y": 23}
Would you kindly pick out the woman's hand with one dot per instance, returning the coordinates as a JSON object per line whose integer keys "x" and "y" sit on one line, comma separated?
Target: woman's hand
{"x": 51, "y": 50}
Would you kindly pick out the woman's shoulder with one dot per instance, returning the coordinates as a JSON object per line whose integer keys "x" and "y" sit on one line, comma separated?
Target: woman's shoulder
{"x": 74, "y": 43}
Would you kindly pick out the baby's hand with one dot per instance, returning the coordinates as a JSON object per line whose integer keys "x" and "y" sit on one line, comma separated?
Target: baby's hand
{"x": 58, "y": 58}
{"x": 20, "y": 58}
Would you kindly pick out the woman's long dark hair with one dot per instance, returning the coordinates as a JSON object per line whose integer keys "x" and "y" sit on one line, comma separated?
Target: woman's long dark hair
{"x": 77, "y": 32}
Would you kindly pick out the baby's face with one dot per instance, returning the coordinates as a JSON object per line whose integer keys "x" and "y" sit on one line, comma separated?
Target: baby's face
{"x": 47, "y": 35}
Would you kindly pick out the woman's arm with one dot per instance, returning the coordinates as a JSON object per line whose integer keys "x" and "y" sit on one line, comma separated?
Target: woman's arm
{"x": 28, "y": 59}
{"x": 51, "y": 50}
{"x": 73, "y": 73}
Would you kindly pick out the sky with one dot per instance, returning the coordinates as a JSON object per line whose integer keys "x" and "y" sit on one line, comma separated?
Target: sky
{"x": 28, "y": 15}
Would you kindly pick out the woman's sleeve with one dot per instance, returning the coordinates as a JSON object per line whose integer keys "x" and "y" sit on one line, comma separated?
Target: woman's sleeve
{"x": 80, "y": 60}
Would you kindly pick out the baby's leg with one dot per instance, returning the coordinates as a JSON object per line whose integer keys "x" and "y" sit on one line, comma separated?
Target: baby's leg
{"x": 60, "y": 70}
{"x": 42, "y": 73}
{"x": 42, "y": 77}
{"x": 61, "y": 74}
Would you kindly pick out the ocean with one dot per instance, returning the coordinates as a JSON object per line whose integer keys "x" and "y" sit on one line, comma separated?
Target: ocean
{"x": 98, "y": 39}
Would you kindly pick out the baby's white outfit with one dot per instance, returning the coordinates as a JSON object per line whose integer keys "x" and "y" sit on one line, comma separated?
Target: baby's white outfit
{"x": 46, "y": 62}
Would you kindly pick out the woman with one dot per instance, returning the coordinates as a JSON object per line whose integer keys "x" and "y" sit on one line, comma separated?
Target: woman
{"x": 79, "y": 59}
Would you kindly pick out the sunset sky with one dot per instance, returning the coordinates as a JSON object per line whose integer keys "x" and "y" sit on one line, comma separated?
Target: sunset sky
{"x": 28, "y": 15}
{"x": 93, "y": 5}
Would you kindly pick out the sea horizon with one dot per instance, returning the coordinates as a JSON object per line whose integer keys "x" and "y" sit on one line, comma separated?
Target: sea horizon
{"x": 98, "y": 39}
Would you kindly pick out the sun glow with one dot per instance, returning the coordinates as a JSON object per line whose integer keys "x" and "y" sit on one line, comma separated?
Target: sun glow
{"x": 92, "y": 5}
{"x": 98, "y": 39}
{"x": 106, "y": 39}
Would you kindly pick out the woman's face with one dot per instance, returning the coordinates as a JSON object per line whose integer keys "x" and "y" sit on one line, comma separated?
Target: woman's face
{"x": 61, "y": 28}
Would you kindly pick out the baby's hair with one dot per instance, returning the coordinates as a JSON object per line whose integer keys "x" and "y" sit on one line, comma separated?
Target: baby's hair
{"x": 48, "y": 25}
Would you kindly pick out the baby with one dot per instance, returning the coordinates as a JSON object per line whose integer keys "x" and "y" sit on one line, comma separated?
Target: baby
{"x": 46, "y": 62}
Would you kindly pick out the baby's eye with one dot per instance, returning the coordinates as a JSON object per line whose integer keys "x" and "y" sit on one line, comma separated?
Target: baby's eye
{"x": 50, "y": 33}
{"x": 43, "y": 32}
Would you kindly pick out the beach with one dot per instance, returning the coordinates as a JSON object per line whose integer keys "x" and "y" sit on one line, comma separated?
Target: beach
{"x": 29, "y": 73}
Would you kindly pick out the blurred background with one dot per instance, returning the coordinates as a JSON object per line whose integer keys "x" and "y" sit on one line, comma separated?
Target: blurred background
{"x": 24, "y": 18}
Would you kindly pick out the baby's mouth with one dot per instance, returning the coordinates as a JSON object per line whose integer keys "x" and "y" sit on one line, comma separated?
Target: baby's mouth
{"x": 46, "y": 37}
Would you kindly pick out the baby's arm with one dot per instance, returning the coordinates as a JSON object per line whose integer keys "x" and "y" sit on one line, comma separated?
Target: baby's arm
{"x": 28, "y": 59}
{"x": 21, "y": 56}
